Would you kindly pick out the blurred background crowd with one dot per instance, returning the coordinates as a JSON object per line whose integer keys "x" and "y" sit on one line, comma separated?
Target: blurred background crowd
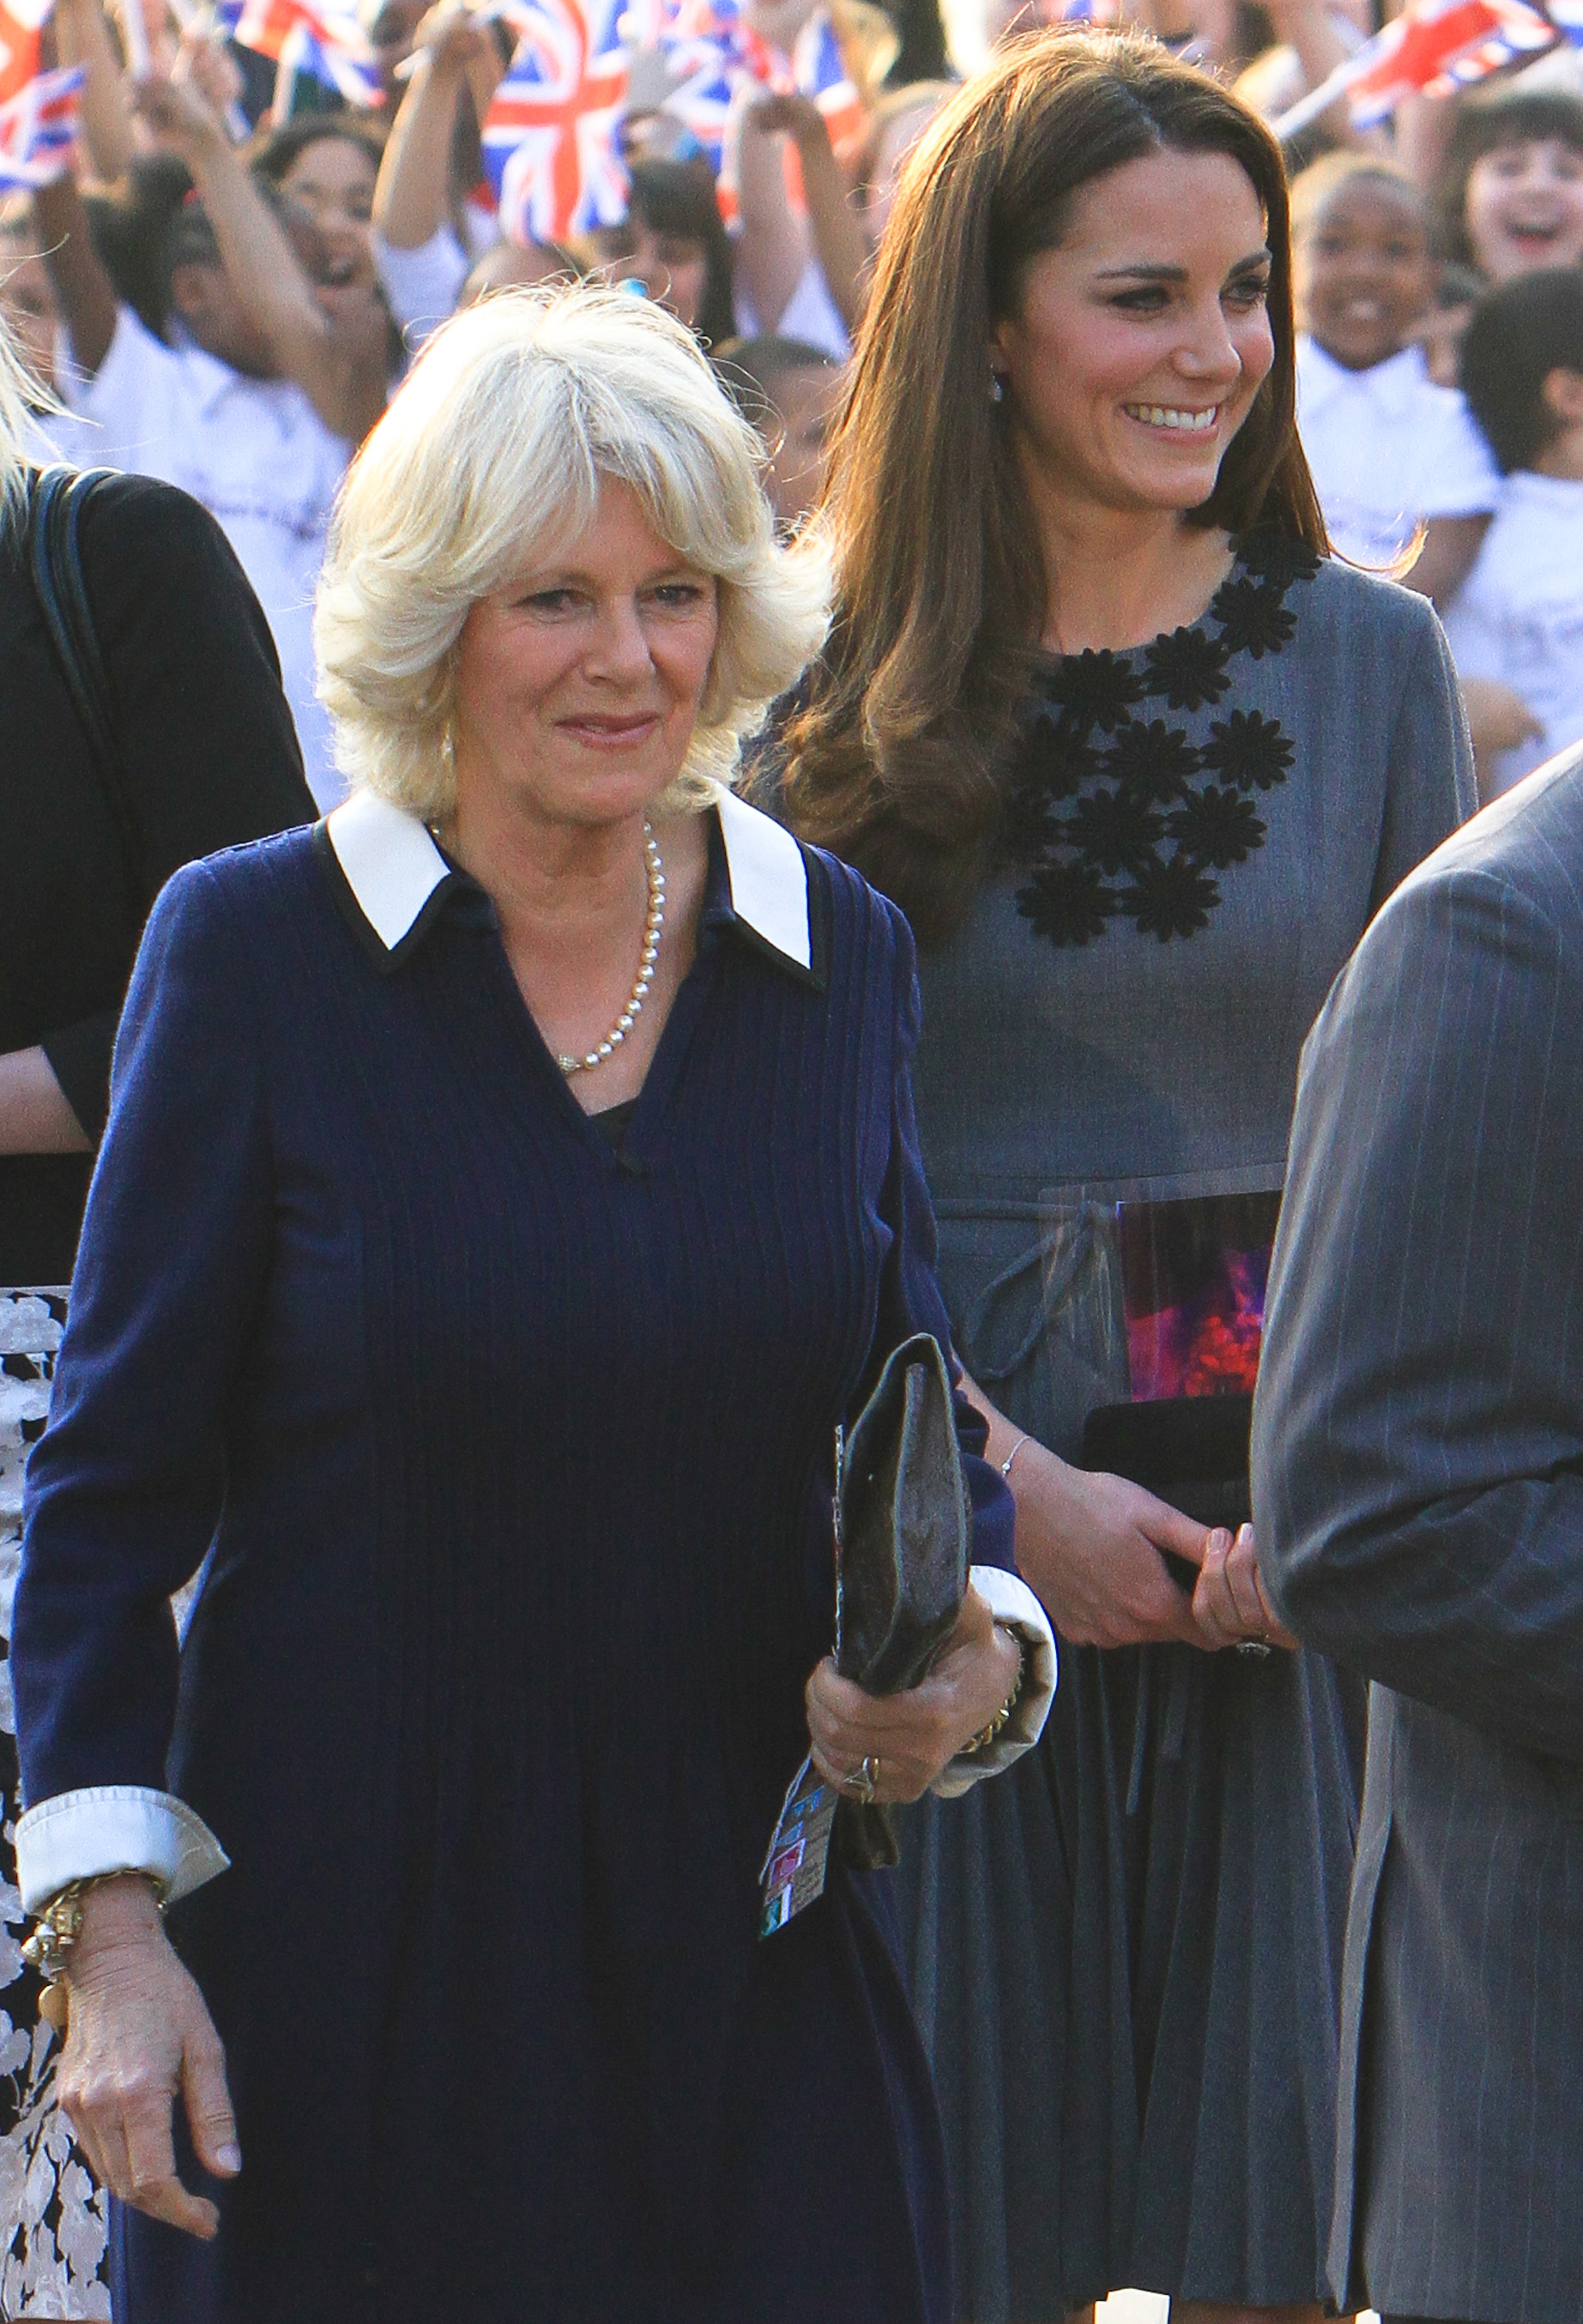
{"x": 229, "y": 227}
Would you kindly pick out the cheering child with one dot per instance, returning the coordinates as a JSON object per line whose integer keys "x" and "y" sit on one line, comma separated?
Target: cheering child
{"x": 1389, "y": 450}
{"x": 1517, "y": 627}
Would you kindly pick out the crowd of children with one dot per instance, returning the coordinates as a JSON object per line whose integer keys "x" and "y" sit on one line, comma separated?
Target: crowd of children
{"x": 230, "y": 312}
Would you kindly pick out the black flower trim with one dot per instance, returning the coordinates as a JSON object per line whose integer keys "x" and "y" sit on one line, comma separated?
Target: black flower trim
{"x": 1171, "y": 899}
{"x": 1276, "y": 558}
{"x": 1254, "y": 617}
{"x": 1249, "y": 750}
{"x": 1189, "y": 667}
{"x": 1117, "y": 830}
{"x": 1055, "y": 758}
{"x": 1080, "y": 815}
{"x": 1067, "y": 902}
{"x": 1095, "y": 688}
{"x": 1217, "y": 827}
{"x": 1153, "y": 760}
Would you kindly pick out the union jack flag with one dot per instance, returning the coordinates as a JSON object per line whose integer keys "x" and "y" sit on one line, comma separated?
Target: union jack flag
{"x": 1435, "y": 47}
{"x": 720, "y": 59}
{"x": 21, "y": 22}
{"x": 38, "y": 128}
{"x": 549, "y": 144}
{"x": 819, "y": 70}
{"x": 327, "y": 42}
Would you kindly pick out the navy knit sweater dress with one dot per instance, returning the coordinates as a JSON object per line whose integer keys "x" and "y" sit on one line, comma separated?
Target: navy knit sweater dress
{"x": 514, "y": 1449}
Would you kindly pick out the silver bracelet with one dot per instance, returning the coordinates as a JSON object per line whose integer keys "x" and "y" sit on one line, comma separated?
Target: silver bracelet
{"x": 1005, "y": 1466}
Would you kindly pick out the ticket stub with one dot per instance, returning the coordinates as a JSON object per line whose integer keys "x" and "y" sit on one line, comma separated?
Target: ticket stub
{"x": 793, "y": 1873}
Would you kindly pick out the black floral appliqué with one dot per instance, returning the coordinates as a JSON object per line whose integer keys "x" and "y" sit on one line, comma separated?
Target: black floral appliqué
{"x": 1189, "y": 667}
{"x": 1171, "y": 900}
{"x": 1249, "y": 750}
{"x": 1094, "y": 689}
{"x": 1153, "y": 760}
{"x": 1113, "y": 813}
{"x": 1216, "y": 827}
{"x": 1254, "y": 618}
{"x": 1068, "y": 903}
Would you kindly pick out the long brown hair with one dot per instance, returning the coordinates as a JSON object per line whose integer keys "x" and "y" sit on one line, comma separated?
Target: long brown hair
{"x": 941, "y": 586}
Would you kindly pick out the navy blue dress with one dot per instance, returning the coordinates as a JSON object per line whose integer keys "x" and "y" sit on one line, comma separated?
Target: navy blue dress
{"x": 514, "y": 1448}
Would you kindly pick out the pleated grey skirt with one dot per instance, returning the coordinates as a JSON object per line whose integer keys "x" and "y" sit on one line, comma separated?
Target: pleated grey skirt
{"x": 1126, "y": 1956}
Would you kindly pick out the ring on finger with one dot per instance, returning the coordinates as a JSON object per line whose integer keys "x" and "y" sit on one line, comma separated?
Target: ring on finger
{"x": 861, "y": 1781}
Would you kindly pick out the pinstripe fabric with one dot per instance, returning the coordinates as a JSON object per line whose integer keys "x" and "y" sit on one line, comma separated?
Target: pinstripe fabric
{"x": 1418, "y": 1484}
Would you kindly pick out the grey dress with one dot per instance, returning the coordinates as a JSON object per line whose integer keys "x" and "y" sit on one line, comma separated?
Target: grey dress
{"x": 1126, "y": 1956}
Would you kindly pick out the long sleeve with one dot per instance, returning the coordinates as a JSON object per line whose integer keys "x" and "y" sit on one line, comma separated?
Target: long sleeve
{"x": 125, "y": 1488}
{"x": 1429, "y": 786}
{"x": 1418, "y": 1433}
{"x": 207, "y": 747}
{"x": 910, "y": 1301}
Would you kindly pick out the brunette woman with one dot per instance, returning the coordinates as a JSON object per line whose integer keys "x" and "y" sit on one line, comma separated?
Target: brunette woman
{"x": 1141, "y": 762}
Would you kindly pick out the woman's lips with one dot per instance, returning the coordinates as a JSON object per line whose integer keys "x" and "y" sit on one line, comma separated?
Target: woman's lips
{"x": 609, "y": 733}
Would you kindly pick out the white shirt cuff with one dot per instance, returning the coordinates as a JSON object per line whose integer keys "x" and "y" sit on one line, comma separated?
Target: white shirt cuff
{"x": 1015, "y": 1608}
{"x": 114, "y": 1827}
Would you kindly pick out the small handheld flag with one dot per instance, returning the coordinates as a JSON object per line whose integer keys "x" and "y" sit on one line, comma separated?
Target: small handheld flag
{"x": 326, "y": 42}
{"x": 1434, "y": 48}
{"x": 38, "y": 129}
{"x": 549, "y": 146}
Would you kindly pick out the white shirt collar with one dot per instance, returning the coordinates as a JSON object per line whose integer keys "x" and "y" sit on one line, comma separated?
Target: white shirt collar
{"x": 392, "y": 873}
{"x": 1391, "y": 386}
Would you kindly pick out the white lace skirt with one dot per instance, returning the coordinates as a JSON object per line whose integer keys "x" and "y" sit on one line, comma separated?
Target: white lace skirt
{"x": 54, "y": 2222}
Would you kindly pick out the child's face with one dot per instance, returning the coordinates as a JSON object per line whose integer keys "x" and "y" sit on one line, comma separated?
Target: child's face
{"x": 796, "y": 431}
{"x": 1364, "y": 277}
{"x": 1525, "y": 208}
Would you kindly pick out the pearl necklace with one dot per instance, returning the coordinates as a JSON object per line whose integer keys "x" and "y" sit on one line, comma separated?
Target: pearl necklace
{"x": 653, "y": 928}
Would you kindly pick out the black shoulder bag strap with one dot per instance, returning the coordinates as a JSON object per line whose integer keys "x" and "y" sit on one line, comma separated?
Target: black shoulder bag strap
{"x": 56, "y": 500}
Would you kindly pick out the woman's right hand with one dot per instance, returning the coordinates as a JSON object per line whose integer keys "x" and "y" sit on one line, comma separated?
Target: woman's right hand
{"x": 139, "y": 2036}
{"x": 1090, "y": 1545}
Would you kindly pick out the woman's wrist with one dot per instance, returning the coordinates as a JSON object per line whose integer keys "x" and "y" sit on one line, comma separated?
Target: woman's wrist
{"x": 118, "y": 1914}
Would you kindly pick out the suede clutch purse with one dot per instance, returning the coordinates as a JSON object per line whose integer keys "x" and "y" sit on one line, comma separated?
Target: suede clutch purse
{"x": 904, "y": 1532}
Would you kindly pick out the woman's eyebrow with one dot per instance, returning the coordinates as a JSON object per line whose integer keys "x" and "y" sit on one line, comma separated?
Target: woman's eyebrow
{"x": 1151, "y": 271}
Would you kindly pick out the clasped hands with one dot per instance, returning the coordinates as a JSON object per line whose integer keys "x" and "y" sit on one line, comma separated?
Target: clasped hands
{"x": 1094, "y": 1547}
{"x": 904, "y": 1741}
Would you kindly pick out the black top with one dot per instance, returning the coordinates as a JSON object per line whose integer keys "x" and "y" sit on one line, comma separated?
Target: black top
{"x": 209, "y": 757}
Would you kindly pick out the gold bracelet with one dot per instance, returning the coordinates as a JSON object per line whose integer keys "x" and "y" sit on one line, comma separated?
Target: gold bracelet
{"x": 60, "y": 1924}
{"x": 982, "y": 1741}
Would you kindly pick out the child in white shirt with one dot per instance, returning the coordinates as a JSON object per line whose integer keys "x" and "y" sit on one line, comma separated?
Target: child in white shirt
{"x": 1389, "y": 450}
{"x": 1517, "y": 627}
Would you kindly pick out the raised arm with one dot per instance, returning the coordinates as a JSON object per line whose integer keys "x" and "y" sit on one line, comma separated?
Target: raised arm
{"x": 1418, "y": 1430}
{"x": 82, "y": 37}
{"x": 86, "y": 292}
{"x": 412, "y": 200}
{"x": 331, "y": 362}
{"x": 775, "y": 246}
{"x": 837, "y": 238}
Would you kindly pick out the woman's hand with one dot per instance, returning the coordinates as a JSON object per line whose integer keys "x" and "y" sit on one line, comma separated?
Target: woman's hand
{"x": 138, "y": 2036}
{"x": 1229, "y": 1604}
{"x": 911, "y": 1739}
{"x": 1093, "y": 1545}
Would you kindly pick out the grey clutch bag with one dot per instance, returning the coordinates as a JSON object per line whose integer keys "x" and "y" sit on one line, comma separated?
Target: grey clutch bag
{"x": 904, "y": 1531}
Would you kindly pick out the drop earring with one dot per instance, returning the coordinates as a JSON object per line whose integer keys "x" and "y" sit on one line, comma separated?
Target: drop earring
{"x": 997, "y": 387}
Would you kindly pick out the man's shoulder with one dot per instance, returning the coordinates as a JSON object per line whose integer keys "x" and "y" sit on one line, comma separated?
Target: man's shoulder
{"x": 1529, "y": 840}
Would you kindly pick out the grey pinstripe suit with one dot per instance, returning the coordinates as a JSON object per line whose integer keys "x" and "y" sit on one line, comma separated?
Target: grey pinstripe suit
{"x": 1418, "y": 1492}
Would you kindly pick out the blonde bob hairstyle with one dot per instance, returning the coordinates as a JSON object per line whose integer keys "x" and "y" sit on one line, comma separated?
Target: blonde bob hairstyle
{"x": 488, "y": 463}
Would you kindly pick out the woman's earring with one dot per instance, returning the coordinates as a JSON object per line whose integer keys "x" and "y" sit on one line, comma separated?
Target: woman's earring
{"x": 997, "y": 387}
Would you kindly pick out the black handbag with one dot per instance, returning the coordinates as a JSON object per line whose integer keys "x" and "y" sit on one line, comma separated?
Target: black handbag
{"x": 904, "y": 1536}
{"x": 55, "y": 502}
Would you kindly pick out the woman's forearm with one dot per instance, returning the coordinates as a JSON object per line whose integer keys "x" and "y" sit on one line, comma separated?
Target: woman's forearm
{"x": 35, "y": 1115}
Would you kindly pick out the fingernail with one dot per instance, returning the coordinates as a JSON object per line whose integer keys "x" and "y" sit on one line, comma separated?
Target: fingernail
{"x": 228, "y": 2158}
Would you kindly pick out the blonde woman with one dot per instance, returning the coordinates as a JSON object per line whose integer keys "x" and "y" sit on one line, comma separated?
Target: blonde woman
{"x": 508, "y": 1186}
